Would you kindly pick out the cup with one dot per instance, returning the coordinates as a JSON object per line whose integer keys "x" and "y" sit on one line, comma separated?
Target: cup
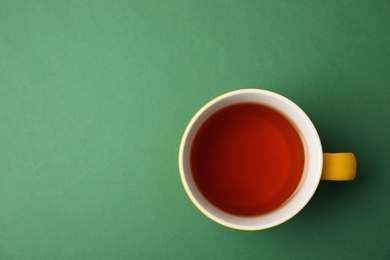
{"x": 316, "y": 164}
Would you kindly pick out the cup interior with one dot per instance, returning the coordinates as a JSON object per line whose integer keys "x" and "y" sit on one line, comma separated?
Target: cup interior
{"x": 311, "y": 173}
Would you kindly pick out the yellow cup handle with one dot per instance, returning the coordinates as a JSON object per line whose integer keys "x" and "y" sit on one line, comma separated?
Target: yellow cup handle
{"x": 339, "y": 167}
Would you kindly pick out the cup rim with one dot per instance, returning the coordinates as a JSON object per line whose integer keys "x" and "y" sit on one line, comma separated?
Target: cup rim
{"x": 315, "y": 176}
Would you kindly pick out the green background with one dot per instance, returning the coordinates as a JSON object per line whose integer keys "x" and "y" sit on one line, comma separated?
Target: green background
{"x": 94, "y": 98}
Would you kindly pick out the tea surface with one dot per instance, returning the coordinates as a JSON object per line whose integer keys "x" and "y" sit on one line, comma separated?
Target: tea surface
{"x": 247, "y": 159}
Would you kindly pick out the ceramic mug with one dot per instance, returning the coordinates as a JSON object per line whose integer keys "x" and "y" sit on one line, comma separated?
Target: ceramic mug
{"x": 317, "y": 165}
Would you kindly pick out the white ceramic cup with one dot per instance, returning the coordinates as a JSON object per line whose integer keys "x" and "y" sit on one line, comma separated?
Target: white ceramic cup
{"x": 311, "y": 173}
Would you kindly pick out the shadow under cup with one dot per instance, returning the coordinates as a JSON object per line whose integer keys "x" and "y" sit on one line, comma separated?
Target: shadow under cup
{"x": 311, "y": 169}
